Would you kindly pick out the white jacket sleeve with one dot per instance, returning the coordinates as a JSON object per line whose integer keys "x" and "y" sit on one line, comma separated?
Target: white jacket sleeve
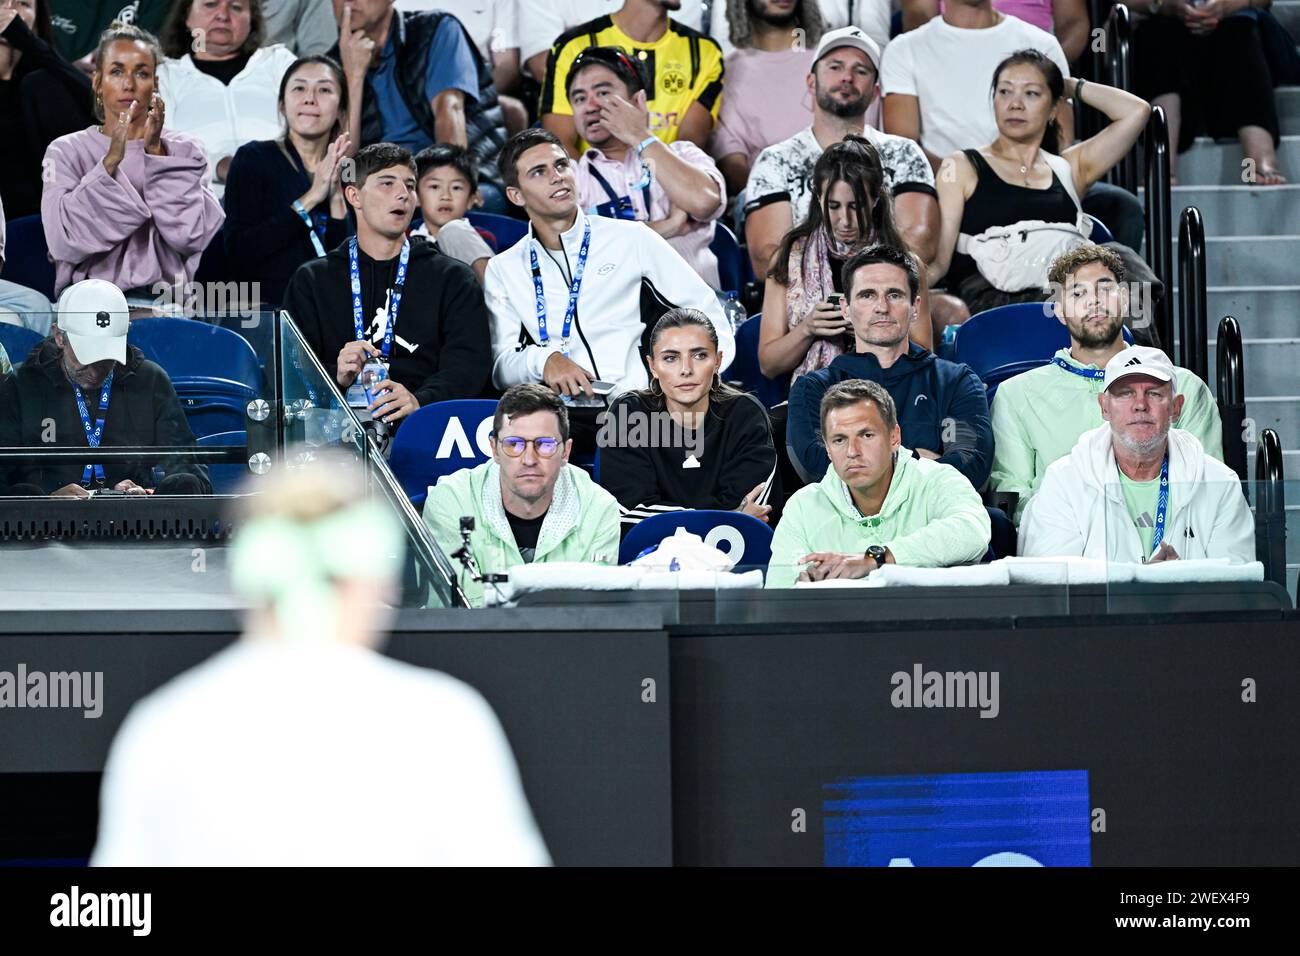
{"x": 1233, "y": 535}
{"x": 1049, "y": 527}
{"x": 677, "y": 284}
{"x": 511, "y": 365}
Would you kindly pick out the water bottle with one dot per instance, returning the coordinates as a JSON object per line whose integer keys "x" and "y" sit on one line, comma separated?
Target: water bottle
{"x": 734, "y": 310}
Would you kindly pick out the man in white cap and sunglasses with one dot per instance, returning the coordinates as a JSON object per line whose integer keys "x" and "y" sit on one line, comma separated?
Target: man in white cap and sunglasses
{"x": 84, "y": 386}
{"x": 1134, "y": 490}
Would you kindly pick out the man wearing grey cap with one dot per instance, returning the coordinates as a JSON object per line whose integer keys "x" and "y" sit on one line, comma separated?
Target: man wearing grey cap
{"x": 1133, "y": 490}
{"x": 84, "y": 386}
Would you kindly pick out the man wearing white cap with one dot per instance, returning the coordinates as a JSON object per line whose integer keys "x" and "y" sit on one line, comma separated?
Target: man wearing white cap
{"x": 1133, "y": 490}
{"x": 842, "y": 84}
{"x": 83, "y": 385}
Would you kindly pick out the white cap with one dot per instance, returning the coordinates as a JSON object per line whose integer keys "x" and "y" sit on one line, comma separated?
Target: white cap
{"x": 93, "y": 314}
{"x": 1139, "y": 360}
{"x": 848, "y": 36}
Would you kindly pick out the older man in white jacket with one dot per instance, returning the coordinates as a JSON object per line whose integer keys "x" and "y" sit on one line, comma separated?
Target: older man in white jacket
{"x": 1135, "y": 491}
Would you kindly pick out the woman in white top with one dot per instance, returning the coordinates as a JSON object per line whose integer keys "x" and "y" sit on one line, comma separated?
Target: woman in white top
{"x": 300, "y": 745}
{"x": 218, "y": 80}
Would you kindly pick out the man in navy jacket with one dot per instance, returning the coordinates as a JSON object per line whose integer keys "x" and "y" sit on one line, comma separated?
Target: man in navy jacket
{"x": 942, "y": 408}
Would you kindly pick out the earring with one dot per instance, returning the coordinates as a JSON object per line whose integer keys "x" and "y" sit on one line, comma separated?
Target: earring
{"x": 655, "y": 387}
{"x": 717, "y": 382}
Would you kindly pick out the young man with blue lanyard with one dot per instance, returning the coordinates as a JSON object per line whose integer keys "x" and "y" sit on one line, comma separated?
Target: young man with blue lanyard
{"x": 400, "y": 324}
{"x": 566, "y": 299}
{"x": 1040, "y": 414}
{"x": 1135, "y": 490}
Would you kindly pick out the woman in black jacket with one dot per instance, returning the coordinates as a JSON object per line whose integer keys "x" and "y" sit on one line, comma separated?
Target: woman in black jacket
{"x": 42, "y": 97}
{"x": 284, "y": 199}
{"x": 688, "y": 441}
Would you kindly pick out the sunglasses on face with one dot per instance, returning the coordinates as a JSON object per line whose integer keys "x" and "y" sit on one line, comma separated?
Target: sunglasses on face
{"x": 514, "y": 447}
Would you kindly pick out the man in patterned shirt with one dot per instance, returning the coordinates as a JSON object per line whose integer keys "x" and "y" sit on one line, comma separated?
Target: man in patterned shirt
{"x": 842, "y": 84}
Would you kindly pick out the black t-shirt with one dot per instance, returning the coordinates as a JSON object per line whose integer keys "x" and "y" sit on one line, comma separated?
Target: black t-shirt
{"x": 223, "y": 70}
{"x": 526, "y": 531}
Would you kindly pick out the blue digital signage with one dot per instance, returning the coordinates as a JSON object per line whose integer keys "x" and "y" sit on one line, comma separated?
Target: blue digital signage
{"x": 1037, "y": 818}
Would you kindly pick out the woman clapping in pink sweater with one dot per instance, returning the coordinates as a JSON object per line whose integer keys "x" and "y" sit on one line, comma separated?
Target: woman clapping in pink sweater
{"x": 128, "y": 201}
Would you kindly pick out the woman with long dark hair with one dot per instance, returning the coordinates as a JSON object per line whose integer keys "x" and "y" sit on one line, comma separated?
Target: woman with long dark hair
{"x": 804, "y": 328}
{"x": 284, "y": 200}
{"x": 689, "y": 440}
{"x": 218, "y": 77}
{"x": 42, "y": 97}
{"x": 1020, "y": 178}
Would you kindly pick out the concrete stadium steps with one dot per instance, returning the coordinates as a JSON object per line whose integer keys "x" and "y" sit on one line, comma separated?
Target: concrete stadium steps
{"x": 1263, "y": 312}
{"x": 1209, "y": 161}
{"x": 1272, "y": 366}
{"x": 1287, "y": 99}
{"x": 1241, "y": 210}
{"x": 1250, "y": 261}
{"x": 1282, "y": 414}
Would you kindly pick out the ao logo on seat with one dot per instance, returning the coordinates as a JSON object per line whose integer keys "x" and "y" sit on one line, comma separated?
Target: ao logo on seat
{"x": 732, "y": 536}
{"x": 455, "y": 438}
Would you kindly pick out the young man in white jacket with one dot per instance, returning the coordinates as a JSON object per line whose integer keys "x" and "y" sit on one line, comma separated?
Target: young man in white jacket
{"x": 566, "y": 299}
{"x": 1133, "y": 490}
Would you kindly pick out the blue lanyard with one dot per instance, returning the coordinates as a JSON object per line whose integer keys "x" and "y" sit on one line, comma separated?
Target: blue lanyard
{"x": 1162, "y": 504}
{"x": 95, "y": 432}
{"x": 540, "y": 294}
{"x": 315, "y": 227}
{"x": 1094, "y": 373}
{"x": 357, "y": 320}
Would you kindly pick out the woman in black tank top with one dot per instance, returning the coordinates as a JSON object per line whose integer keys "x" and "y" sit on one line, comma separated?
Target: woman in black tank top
{"x": 1011, "y": 180}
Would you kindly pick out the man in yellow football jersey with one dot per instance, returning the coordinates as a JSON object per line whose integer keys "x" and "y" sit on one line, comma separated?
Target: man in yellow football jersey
{"x": 684, "y": 65}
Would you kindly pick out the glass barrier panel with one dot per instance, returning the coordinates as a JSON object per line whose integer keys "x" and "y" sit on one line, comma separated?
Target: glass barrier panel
{"x": 1208, "y": 549}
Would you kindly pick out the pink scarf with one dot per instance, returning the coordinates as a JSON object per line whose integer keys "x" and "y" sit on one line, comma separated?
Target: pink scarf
{"x": 811, "y": 281}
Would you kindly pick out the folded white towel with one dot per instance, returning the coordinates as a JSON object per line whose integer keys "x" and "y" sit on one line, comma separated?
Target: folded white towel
{"x": 1066, "y": 570}
{"x": 893, "y": 575}
{"x": 699, "y": 580}
{"x": 1209, "y": 569}
{"x": 526, "y": 578}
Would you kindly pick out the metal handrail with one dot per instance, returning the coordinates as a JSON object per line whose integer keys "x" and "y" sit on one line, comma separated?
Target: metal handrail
{"x": 1231, "y": 373}
{"x": 1193, "y": 332}
{"x": 1159, "y": 221}
{"x": 1270, "y": 507}
{"x": 1118, "y": 73}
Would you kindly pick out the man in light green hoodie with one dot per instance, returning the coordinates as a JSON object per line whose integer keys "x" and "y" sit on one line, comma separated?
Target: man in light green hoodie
{"x": 878, "y": 504}
{"x": 1039, "y": 415}
{"x": 528, "y": 503}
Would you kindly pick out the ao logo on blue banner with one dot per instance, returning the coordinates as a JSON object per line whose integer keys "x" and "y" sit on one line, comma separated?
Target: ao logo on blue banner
{"x": 1039, "y": 818}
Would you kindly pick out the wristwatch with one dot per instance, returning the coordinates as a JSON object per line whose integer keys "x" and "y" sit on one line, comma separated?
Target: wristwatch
{"x": 876, "y": 553}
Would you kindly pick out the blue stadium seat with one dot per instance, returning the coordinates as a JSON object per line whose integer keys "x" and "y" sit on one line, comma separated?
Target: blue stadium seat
{"x": 731, "y": 261}
{"x": 1010, "y": 339}
{"x": 225, "y": 478}
{"x": 214, "y": 370}
{"x": 505, "y": 230}
{"x": 18, "y": 341}
{"x": 1099, "y": 232}
{"x": 745, "y": 372}
{"x": 440, "y": 439}
{"x": 751, "y": 536}
{"x": 27, "y": 257}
